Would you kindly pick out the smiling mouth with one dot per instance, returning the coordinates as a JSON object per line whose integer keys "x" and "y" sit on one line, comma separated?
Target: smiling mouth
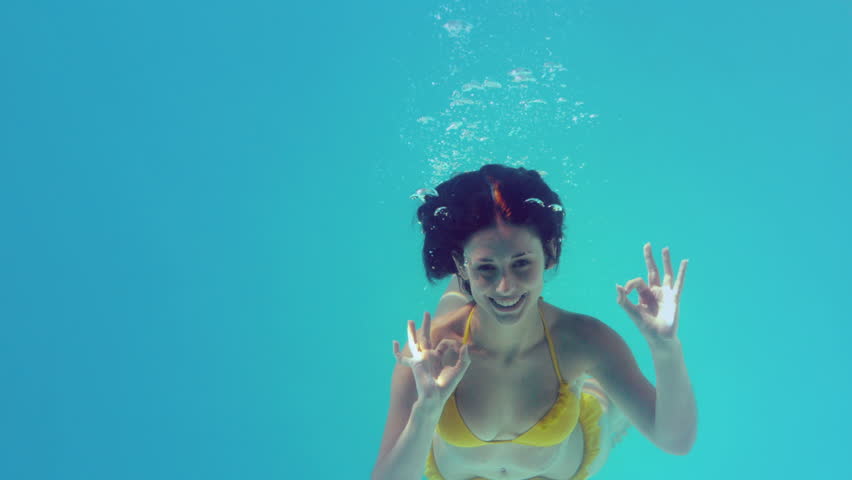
{"x": 508, "y": 307}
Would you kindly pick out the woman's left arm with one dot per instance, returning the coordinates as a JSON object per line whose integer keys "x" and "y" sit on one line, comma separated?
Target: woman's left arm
{"x": 667, "y": 415}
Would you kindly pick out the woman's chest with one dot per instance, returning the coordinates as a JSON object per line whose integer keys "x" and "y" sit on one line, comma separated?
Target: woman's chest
{"x": 505, "y": 406}
{"x": 499, "y": 402}
{"x": 510, "y": 461}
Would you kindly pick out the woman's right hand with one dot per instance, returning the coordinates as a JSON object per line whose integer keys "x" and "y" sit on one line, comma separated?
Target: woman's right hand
{"x": 436, "y": 378}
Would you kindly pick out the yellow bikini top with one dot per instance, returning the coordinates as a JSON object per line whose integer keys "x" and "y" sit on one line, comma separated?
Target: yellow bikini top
{"x": 551, "y": 429}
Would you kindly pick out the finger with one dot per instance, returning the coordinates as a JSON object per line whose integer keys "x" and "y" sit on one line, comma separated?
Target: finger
{"x": 441, "y": 350}
{"x": 631, "y": 308}
{"x": 637, "y": 283}
{"x": 667, "y": 266}
{"x": 653, "y": 273}
{"x": 400, "y": 356}
{"x": 426, "y": 341}
{"x": 623, "y": 300}
{"x": 464, "y": 357}
{"x": 396, "y": 352}
{"x": 447, "y": 344}
{"x": 412, "y": 337}
{"x": 681, "y": 277}
{"x": 646, "y": 296}
{"x": 450, "y": 377}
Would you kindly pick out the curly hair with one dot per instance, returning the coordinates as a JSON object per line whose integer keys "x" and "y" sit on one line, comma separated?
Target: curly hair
{"x": 472, "y": 201}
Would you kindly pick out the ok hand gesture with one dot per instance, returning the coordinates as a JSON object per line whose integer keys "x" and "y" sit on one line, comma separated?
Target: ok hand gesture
{"x": 656, "y": 315}
{"x": 435, "y": 375}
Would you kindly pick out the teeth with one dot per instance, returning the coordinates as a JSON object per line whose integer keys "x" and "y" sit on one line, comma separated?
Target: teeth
{"x": 507, "y": 303}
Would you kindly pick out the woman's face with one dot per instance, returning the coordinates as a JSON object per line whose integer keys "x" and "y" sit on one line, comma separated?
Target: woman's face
{"x": 505, "y": 266}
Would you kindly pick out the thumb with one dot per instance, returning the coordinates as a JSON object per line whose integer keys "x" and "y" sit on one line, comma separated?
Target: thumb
{"x": 621, "y": 297}
{"x": 625, "y": 302}
{"x": 450, "y": 377}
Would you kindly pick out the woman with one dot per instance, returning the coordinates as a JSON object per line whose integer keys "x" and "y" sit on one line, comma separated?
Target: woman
{"x": 498, "y": 386}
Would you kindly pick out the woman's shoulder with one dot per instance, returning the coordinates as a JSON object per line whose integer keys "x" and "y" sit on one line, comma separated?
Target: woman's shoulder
{"x": 577, "y": 337}
{"x": 567, "y": 321}
{"x": 576, "y": 329}
{"x": 450, "y": 324}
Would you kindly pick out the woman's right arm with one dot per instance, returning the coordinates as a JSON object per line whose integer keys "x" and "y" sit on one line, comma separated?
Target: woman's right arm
{"x": 408, "y": 431}
{"x": 422, "y": 382}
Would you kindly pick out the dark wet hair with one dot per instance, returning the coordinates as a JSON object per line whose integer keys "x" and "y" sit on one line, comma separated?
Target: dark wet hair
{"x": 472, "y": 201}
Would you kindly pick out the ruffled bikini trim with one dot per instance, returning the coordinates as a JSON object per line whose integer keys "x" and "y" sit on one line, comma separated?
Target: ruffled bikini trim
{"x": 565, "y": 400}
{"x": 431, "y": 472}
{"x": 590, "y": 414}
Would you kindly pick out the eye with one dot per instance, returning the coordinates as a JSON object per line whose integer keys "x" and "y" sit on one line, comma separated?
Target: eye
{"x": 522, "y": 263}
{"x": 485, "y": 268}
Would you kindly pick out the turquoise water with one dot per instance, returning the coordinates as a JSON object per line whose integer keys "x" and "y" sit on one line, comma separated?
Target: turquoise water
{"x": 207, "y": 243}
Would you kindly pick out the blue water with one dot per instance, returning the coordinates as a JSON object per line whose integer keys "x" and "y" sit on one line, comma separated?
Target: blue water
{"x": 207, "y": 244}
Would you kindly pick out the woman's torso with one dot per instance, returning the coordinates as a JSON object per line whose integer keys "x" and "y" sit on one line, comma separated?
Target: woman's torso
{"x": 500, "y": 399}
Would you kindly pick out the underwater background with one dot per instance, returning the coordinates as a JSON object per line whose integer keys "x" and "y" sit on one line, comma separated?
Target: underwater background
{"x": 208, "y": 245}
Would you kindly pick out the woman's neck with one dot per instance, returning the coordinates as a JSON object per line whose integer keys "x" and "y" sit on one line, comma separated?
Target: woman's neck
{"x": 506, "y": 341}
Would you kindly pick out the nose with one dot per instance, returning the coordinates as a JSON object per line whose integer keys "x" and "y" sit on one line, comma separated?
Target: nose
{"x": 505, "y": 285}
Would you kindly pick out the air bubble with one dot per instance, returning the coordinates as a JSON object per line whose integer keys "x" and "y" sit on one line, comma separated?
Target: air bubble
{"x": 422, "y": 193}
{"x": 457, "y": 28}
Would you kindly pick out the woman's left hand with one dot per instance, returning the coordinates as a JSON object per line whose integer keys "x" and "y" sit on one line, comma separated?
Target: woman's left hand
{"x": 657, "y": 311}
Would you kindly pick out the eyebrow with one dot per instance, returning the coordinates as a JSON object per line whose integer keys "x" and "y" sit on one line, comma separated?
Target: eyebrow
{"x": 486, "y": 259}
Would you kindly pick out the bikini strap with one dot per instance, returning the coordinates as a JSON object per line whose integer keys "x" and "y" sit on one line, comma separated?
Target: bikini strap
{"x": 546, "y": 334}
{"x": 550, "y": 344}
{"x": 467, "y": 326}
